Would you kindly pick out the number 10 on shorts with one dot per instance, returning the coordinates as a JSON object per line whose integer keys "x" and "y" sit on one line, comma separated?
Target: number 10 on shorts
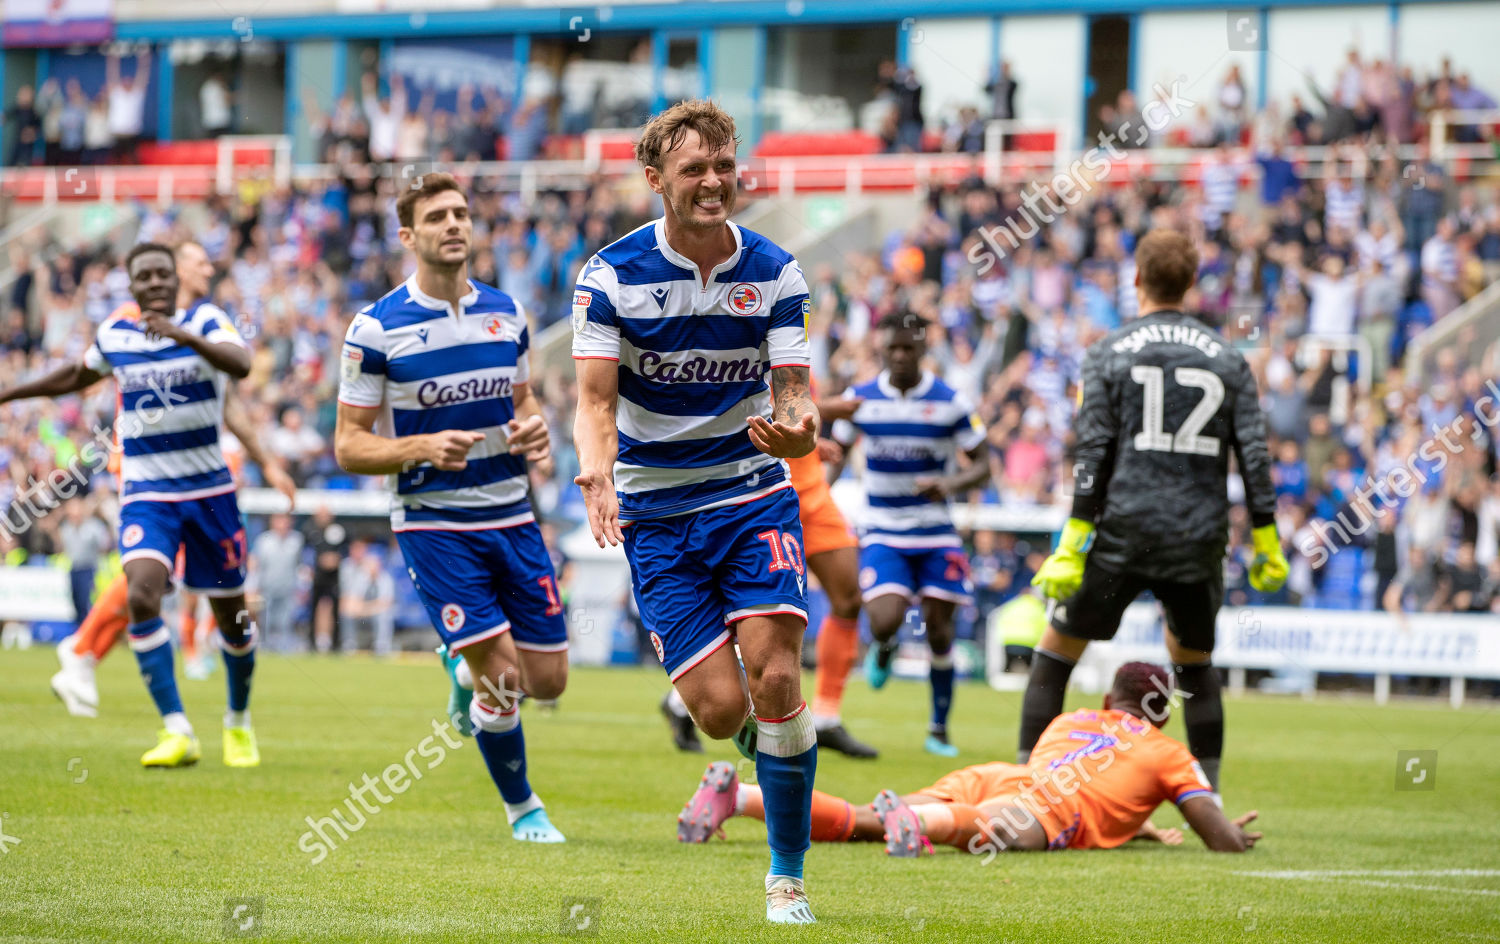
{"x": 786, "y": 551}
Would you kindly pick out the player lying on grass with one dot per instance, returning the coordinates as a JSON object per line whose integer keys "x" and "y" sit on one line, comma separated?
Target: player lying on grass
{"x": 1093, "y": 780}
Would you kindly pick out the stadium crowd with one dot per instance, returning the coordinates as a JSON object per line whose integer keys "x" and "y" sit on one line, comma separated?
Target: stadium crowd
{"x": 1323, "y": 274}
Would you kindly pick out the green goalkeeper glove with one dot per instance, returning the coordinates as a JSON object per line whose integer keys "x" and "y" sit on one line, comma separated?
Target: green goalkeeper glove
{"x": 1061, "y": 573}
{"x": 1268, "y": 569}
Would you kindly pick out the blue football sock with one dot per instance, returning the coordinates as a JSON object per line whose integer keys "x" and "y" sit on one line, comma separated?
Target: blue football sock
{"x": 239, "y": 666}
{"x": 941, "y": 676}
{"x": 504, "y": 748}
{"x": 152, "y": 645}
{"x": 786, "y": 761}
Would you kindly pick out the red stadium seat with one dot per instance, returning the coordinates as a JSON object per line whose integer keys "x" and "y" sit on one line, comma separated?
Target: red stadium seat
{"x": 799, "y": 144}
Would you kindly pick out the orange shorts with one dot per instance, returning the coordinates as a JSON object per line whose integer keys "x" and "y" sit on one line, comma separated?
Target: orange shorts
{"x": 823, "y": 525}
{"x": 999, "y": 783}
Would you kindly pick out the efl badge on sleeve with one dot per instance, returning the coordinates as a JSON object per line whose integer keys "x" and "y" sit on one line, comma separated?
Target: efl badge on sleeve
{"x": 350, "y": 363}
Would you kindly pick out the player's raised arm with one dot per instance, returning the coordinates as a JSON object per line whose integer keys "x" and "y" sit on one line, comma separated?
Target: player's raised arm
{"x": 1218, "y": 832}
{"x": 1268, "y": 570}
{"x": 70, "y": 378}
{"x": 217, "y": 342}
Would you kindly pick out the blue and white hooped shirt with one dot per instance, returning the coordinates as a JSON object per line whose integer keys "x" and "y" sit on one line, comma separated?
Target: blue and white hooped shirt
{"x": 694, "y": 359}
{"x": 430, "y": 368}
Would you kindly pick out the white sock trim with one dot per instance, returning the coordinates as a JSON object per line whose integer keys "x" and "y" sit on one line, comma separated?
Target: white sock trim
{"x": 789, "y": 737}
{"x": 742, "y": 795}
{"x": 676, "y": 705}
{"x": 824, "y": 722}
{"x": 252, "y": 636}
{"x": 485, "y": 718}
{"x": 514, "y": 811}
{"x": 177, "y": 723}
{"x": 153, "y": 640}
{"x": 944, "y": 661}
{"x": 237, "y": 719}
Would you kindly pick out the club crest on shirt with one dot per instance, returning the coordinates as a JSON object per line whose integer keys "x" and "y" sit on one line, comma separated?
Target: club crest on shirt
{"x": 132, "y": 535}
{"x": 453, "y": 617}
{"x": 661, "y": 655}
{"x": 744, "y": 299}
{"x": 495, "y": 327}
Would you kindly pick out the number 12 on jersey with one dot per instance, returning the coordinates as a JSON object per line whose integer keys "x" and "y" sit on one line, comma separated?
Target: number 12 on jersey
{"x": 1152, "y": 437}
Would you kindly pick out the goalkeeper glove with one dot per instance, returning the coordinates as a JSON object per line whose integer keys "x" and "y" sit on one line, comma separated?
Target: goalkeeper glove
{"x": 1061, "y": 573}
{"x": 1268, "y": 569}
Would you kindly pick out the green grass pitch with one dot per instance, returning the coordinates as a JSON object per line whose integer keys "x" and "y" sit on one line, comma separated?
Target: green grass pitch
{"x": 97, "y": 849}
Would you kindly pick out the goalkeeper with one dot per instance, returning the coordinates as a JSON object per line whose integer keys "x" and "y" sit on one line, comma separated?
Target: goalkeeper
{"x": 1163, "y": 402}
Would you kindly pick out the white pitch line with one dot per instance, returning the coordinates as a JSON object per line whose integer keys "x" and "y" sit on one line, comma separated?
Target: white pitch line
{"x": 1352, "y": 877}
{"x": 1383, "y": 873}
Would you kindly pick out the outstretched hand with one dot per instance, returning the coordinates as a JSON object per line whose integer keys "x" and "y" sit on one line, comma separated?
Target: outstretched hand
{"x": 783, "y": 441}
{"x": 1241, "y": 822}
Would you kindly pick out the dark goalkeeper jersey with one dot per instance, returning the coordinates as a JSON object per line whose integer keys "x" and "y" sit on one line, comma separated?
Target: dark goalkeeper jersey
{"x": 1165, "y": 400}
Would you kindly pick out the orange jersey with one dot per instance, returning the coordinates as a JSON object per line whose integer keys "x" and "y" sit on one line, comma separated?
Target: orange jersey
{"x": 807, "y": 473}
{"x": 823, "y": 525}
{"x": 1093, "y": 779}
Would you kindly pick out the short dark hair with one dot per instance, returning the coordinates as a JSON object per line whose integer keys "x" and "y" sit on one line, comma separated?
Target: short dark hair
{"x": 1167, "y": 263}
{"x": 1134, "y": 681}
{"x": 714, "y": 125}
{"x": 903, "y": 321}
{"x": 140, "y": 249}
{"x": 424, "y": 186}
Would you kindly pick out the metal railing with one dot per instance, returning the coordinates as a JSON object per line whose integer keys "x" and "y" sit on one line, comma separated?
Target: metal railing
{"x": 851, "y": 175}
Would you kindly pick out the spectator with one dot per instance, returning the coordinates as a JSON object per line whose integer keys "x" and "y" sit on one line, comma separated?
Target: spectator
{"x": 368, "y": 595}
{"x": 275, "y": 562}
{"x": 384, "y": 115}
{"x": 1002, "y": 91}
{"x": 49, "y": 104}
{"x": 1333, "y": 295}
{"x": 905, "y": 92}
{"x": 215, "y": 105}
{"x": 127, "y": 104}
{"x": 72, "y": 125}
{"x": 328, "y": 539}
{"x": 1440, "y": 270}
{"x": 25, "y": 124}
{"x": 1465, "y": 583}
{"x": 297, "y": 445}
{"x": 1232, "y": 103}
